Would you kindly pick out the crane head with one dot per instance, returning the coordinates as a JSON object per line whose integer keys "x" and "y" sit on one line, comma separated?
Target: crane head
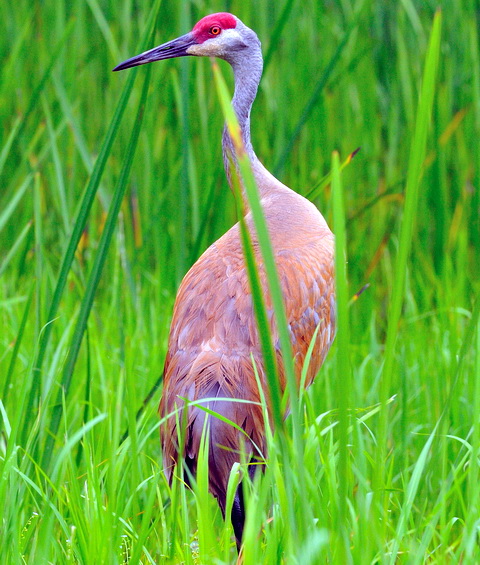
{"x": 217, "y": 35}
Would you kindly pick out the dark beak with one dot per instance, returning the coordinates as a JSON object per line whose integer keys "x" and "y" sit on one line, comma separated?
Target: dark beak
{"x": 175, "y": 48}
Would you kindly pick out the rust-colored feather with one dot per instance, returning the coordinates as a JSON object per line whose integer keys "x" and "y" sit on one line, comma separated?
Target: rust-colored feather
{"x": 214, "y": 334}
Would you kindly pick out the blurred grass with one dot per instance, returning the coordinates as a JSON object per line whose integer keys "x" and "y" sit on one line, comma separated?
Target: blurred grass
{"x": 420, "y": 425}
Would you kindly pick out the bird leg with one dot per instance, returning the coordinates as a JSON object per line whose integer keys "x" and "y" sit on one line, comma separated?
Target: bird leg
{"x": 238, "y": 516}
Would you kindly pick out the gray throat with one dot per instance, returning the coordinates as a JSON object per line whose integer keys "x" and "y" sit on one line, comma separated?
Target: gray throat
{"x": 247, "y": 68}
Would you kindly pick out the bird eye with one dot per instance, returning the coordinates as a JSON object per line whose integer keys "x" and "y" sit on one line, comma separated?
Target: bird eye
{"x": 215, "y": 30}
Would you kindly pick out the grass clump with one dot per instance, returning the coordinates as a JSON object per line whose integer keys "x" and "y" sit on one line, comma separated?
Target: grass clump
{"x": 99, "y": 218}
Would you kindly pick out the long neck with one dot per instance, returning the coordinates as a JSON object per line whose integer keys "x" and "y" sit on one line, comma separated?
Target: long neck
{"x": 247, "y": 71}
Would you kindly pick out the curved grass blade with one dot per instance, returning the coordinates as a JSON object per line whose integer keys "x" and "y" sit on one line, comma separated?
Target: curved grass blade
{"x": 141, "y": 410}
{"x": 95, "y": 275}
{"x": 15, "y": 247}
{"x": 82, "y": 216}
{"x": 412, "y": 489}
{"x": 269, "y": 262}
{"x": 295, "y": 476}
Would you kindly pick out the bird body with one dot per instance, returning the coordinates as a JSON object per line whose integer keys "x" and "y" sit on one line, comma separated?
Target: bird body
{"x": 213, "y": 335}
{"x": 213, "y": 332}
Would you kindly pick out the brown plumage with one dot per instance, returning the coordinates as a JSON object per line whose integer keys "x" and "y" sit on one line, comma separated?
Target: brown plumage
{"x": 213, "y": 333}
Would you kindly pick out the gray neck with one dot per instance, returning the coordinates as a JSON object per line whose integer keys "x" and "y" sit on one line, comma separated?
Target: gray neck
{"x": 247, "y": 68}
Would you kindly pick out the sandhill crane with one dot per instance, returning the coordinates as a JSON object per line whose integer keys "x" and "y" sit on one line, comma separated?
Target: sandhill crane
{"x": 213, "y": 333}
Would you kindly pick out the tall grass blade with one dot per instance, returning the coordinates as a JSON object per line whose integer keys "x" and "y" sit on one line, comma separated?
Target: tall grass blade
{"x": 317, "y": 91}
{"x": 277, "y": 32}
{"x": 18, "y": 342}
{"x": 9, "y": 209}
{"x": 327, "y": 179}
{"x": 274, "y": 288}
{"x": 82, "y": 216}
{"x": 15, "y": 247}
{"x": 21, "y": 123}
{"x": 95, "y": 275}
{"x": 265, "y": 245}
{"x": 417, "y": 158}
{"x": 343, "y": 380}
{"x": 412, "y": 488}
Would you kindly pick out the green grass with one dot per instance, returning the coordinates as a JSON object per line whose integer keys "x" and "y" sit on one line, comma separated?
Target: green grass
{"x": 101, "y": 214}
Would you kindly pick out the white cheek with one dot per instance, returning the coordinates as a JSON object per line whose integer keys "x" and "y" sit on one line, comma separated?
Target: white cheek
{"x": 216, "y": 47}
{"x": 207, "y": 49}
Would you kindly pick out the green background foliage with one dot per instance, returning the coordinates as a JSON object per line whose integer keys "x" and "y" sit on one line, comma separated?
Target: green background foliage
{"x": 111, "y": 185}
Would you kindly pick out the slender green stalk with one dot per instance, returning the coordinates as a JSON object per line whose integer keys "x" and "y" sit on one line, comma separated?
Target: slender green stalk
{"x": 80, "y": 222}
{"x": 9, "y": 209}
{"x": 15, "y": 247}
{"x": 417, "y": 157}
{"x": 343, "y": 379}
{"x": 317, "y": 91}
{"x": 22, "y": 122}
{"x": 18, "y": 342}
{"x": 277, "y": 32}
{"x": 95, "y": 275}
{"x": 267, "y": 254}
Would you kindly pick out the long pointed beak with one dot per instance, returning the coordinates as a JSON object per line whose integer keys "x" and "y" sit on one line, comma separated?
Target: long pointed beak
{"x": 175, "y": 48}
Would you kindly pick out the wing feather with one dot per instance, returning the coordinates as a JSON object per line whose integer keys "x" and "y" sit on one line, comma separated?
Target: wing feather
{"x": 213, "y": 336}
